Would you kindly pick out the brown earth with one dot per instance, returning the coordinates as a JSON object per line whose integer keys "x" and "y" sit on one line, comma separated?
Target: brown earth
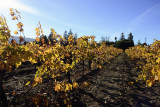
{"x": 108, "y": 87}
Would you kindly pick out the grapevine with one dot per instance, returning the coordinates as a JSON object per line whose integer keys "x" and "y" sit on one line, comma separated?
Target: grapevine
{"x": 56, "y": 58}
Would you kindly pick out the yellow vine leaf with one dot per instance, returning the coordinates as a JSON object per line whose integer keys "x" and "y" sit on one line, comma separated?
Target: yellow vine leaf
{"x": 18, "y": 64}
{"x": 33, "y": 61}
{"x": 158, "y": 60}
{"x": 11, "y": 9}
{"x": 37, "y": 29}
{"x": 15, "y": 32}
{"x": 57, "y": 87}
{"x": 38, "y": 39}
{"x": 68, "y": 87}
{"x": 38, "y": 79}
{"x": 130, "y": 83}
{"x": 100, "y": 67}
{"x": 14, "y": 18}
{"x": 41, "y": 31}
{"x": 19, "y": 25}
{"x": 12, "y": 13}
{"x": 150, "y": 84}
{"x": 84, "y": 84}
{"x": 34, "y": 83}
{"x": 75, "y": 85}
{"x": 28, "y": 83}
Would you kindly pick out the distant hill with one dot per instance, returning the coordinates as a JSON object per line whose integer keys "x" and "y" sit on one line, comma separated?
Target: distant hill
{"x": 17, "y": 39}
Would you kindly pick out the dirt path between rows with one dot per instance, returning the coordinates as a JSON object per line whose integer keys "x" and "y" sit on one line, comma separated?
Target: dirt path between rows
{"x": 110, "y": 87}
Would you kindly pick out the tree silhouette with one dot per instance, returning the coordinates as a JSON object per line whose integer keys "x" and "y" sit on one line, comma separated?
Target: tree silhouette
{"x": 122, "y": 36}
{"x": 130, "y": 37}
{"x": 115, "y": 39}
{"x": 65, "y": 35}
{"x": 70, "y": 32}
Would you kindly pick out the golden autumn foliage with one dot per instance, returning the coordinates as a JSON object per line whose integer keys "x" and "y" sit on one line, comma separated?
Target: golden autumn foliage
{"x": 56, "y": 59}
{"x": 148, "y": 60}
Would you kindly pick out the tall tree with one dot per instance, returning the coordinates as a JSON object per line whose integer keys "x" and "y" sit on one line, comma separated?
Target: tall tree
{"x": 130, "y": 37}
{"x": 65, "y": 35}
{"x": 70, "y": 32}
{"x": 115, "y": 39}
{"x": 122, "y": 36}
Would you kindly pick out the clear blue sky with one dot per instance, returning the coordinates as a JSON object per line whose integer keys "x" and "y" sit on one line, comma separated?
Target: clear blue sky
{"x": 108, "y": 18}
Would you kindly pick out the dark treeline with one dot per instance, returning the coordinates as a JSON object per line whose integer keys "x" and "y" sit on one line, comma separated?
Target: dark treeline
{"x": 122, "y": 43}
